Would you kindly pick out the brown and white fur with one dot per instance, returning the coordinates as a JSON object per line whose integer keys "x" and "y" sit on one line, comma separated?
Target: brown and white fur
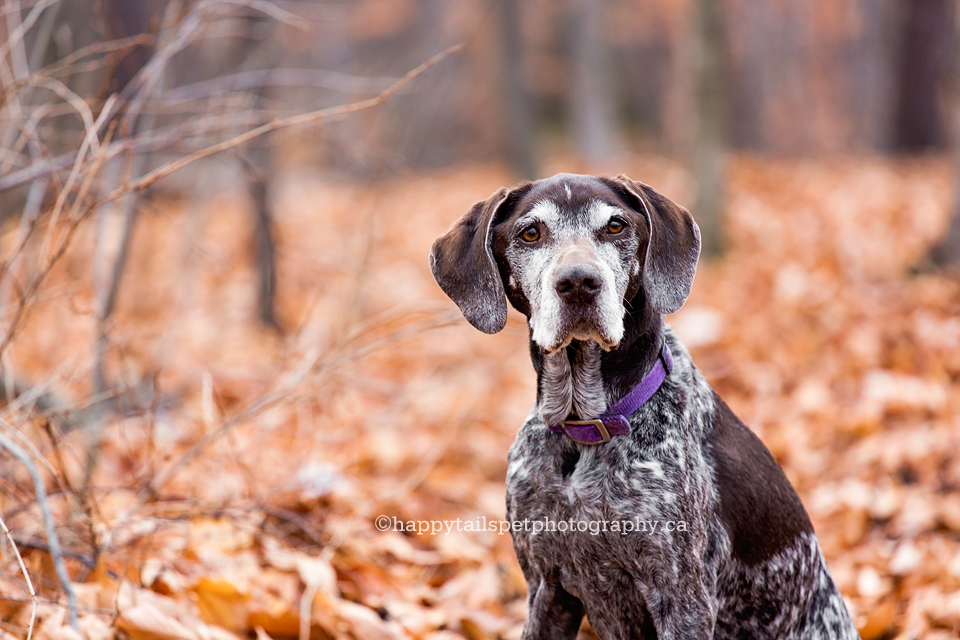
{"x": 594, "y": 263}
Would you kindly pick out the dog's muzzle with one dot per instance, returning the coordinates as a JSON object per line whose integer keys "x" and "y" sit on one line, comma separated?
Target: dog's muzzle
{"x": 579, "y": 283}
{"x": 579, "y": 286}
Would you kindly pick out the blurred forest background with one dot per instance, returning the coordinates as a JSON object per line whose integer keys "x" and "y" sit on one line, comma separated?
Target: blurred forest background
{"x": 223, "y": 354}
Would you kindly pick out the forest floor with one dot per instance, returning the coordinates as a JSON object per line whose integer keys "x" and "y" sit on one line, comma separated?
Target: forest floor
{"x": 238, "y": 493}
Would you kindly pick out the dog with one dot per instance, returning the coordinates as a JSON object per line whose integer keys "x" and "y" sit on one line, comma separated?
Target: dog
{"x": 626, "y": 430}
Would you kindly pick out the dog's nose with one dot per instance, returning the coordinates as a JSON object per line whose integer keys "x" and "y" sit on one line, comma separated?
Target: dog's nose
{"x": 578, "y": 283}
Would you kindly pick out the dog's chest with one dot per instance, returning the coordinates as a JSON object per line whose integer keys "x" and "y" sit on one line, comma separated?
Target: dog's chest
{"x": 602, "y": 511}
{"x": 651, "y": 473}
{"x": 553, "y": 478}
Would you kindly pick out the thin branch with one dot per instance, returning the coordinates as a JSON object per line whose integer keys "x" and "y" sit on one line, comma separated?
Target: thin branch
{"x": 62, "y": 66}
{"x": 91, "y": 140}
{"x": 144, "y": 82}
{"x": 88, "y": 142}
{"x": 19, "y": 32}
{"x": 257, "y": 78}
{"x": 36, "y": 170}
{"x": 23, "y": 308}
{"x": 43, "y": 37}
{"x": 52, "y": 539}
{"x": 279, "y": 123}
{"x": 272, "y": 10}
{"x": 71, "y": 98}
{"x": 156, "y": 140}
{"x": 61, "y": 162}
{"x": 100, "y": 611}
{"x": 311, "y": 364}
{"x": 87, "y": 561}
{"x": 27, "y": 445}
{"x": 27, "y": 136}
{"x": 26, "y": 576}
{"x": 68, "y": 64}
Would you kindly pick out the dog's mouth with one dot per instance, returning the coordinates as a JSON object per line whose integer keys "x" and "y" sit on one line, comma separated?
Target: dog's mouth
{"x": 583, "y": 328}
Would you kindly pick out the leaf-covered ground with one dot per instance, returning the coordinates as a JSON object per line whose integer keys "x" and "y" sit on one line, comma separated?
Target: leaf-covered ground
{"x": 237, "y": 495}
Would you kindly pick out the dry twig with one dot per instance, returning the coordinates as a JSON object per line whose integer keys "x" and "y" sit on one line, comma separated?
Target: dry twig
{"x": 52, "y": 539}
{"x": 279, "y": 123}
{"x": 26, "y": 577}
{"x": 311, "y": 366}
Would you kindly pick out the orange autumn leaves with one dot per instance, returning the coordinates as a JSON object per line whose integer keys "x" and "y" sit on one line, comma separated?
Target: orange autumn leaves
{"x": 811, "y": 328}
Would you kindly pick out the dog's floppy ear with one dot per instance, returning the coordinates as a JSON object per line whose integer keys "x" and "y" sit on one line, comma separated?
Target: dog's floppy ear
{"x": 462, "y": 263}
{"x": 673, "y": 249}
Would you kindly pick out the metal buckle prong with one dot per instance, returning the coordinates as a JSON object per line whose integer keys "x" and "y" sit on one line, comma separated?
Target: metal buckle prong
{"x": 602, "y": 428}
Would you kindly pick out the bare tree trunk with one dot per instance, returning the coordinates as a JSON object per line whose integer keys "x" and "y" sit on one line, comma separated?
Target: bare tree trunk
{"x": 591, "y": 99}
{"x": 926, "y": 34}
{"x": 109, "y": 262}
{"x": 946, "y": 253}
{"x": 264, "y": 245}
{"x": 710, "y": 81}
{"x": 256, "y": 164}
{"x": 265, "y": 255}
{"x": 519, "y": 129}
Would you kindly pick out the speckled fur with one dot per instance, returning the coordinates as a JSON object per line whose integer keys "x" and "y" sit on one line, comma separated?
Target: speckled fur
{"x": 798, "y": 577}
{"x": 556, "y": 401}
{"x": 589, "y": 398}
{"x": 660, "y": 584}
{"x": 746, "y": 562}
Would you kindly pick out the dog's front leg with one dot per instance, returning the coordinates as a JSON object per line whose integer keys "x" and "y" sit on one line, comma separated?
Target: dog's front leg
{"x": 686, "y": 621}
{"x": 682, "y": 610}
{"x": 553, "y": 613}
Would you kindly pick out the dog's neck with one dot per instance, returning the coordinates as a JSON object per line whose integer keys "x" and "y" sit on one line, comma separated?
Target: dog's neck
{"x": 570, "y": 382}
{"x": 584, "y": 380}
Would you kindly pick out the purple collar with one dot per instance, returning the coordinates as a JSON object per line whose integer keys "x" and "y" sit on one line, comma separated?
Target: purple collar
{"x": 614, "y": 421}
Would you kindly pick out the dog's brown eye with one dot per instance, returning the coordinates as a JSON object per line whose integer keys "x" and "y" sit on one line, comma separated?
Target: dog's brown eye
{"x": 530, "y": 234}
{"x": 615, "y": 226}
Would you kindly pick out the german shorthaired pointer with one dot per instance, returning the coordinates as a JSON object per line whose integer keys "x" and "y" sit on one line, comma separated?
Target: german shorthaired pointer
{"x": 637, "y": 497}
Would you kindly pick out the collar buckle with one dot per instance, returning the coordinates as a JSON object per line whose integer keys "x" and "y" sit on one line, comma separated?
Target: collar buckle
{"x": 597, "y": 424}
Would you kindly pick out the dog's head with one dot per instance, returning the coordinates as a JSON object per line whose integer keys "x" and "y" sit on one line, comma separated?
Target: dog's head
{"x": 568, "y": 252}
